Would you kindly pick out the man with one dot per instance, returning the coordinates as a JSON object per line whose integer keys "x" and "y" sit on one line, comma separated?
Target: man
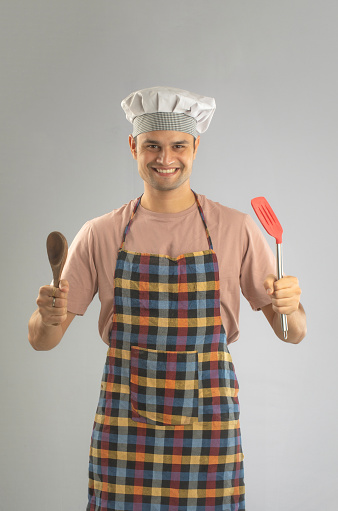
{"x": 168, "y": 268}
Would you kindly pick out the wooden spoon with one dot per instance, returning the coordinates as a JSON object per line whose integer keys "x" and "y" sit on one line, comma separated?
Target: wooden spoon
{"x": 57, "y": 250}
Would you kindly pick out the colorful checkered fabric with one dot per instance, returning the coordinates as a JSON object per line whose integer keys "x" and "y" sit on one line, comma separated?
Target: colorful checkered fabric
{"x": 166, "y": 435}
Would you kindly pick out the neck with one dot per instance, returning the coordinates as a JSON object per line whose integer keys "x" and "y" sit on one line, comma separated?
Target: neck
{"x": 171, "y": 201}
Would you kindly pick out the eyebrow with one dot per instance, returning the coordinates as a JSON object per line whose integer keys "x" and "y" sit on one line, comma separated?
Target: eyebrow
{"x": 148, "y": 141}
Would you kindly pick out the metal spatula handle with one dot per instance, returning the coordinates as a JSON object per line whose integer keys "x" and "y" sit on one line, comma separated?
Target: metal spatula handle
{"x": 283, "y": 318}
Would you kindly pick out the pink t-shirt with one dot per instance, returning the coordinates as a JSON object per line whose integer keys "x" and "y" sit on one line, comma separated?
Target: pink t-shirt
{"x": 244, "y": 256}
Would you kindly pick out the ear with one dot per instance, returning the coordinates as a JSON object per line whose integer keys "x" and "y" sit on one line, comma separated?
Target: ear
{"x": 132, "y": 146}
{"x": 197, "y": 143}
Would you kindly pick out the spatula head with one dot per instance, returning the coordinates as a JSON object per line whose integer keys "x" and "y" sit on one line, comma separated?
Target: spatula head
{"x": 267, "y": 218}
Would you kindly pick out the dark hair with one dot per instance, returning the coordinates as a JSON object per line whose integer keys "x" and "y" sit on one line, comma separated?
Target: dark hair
{"x": 135, "y": 138}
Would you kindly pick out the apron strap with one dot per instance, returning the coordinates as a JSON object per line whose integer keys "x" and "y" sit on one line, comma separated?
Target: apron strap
{"x": 203, "y": 220}
{"x": 127, "y": 228}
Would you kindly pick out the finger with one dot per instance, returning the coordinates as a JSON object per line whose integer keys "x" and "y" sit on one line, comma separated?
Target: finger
{"x": 54, "y": 292}
{"x": 51, "y": 315}
{"x": 47, "y": 309}
{"x": 55, "y": 313}
{"x": 56, "y": 303}
{"x": 287, "y": 292}
{"x": 49, "y": 291}
{"x": 53, "y": 320}
{"x": 285, "y": 282}
{"x": 287, "y": 310}
{"x": 46, "y": 291}
{"x": 50, "y": 301}
{"x": 285, "y": 305}
{"x": 269, "y": 283}
{"x": 51, "y": 305}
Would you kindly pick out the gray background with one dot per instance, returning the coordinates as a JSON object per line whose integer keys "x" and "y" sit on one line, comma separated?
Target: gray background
{"x": 272, "y": 67}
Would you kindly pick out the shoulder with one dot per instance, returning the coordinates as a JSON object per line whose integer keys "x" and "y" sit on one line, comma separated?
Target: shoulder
{"x": 106, "y": 228}
{"x": 115, "y": 216}
{"x": 217, "y": 212}
{"x": 237, "y": 226}
{"x": 115, "y": 219}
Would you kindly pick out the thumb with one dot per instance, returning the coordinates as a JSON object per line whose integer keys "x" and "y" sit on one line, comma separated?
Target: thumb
{"x": 64, "y": 285}
{"x": 268, "y": 284}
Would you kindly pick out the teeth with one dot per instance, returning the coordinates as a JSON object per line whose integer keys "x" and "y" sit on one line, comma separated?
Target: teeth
{"x": 166, "y": 171}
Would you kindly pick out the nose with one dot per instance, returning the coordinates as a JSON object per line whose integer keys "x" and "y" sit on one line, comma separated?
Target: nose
{"x": 165, "y": 157}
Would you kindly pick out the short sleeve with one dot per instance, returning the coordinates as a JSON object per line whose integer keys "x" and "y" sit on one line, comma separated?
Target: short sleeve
{"x": 258, "y": 261}
{"x": 80, "y": 271}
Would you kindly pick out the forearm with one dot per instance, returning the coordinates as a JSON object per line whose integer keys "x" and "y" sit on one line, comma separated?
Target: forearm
{"x": 296, "y": 326}
{"x": 41, "y": 336}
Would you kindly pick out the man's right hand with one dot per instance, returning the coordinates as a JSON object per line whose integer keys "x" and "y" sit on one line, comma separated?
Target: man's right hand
{"x": 49, "y": 322}
{"x": 52, "y": 303}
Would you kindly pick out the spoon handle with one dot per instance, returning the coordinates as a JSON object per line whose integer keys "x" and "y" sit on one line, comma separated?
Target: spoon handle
{"x": 57, "y": 270}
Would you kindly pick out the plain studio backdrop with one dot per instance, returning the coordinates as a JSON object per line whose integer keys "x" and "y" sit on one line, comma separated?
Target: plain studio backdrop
{"x": 272, "y": 68}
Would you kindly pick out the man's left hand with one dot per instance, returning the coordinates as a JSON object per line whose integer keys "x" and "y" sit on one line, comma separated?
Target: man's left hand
{"x": 285, "y": 293}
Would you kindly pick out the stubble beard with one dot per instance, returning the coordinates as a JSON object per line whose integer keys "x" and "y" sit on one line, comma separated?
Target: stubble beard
{"x": 166, "y": 186}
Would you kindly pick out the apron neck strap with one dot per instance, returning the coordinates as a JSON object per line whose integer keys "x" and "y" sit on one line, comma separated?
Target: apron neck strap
{"x": 203, "y": 220}
{"x": 127, "y": 229}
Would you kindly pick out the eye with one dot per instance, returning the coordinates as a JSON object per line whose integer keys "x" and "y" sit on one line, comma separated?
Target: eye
{"x": 152, "y": 145}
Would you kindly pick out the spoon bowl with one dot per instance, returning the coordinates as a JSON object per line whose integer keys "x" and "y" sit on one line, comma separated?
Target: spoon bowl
{"x": 57, "y": 250}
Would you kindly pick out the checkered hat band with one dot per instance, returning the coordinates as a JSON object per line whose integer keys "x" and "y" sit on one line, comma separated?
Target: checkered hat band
{"x": 170, "y": 121}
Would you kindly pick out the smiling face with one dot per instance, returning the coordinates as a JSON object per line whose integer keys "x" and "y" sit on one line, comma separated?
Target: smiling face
{"x": 164, "y": 158}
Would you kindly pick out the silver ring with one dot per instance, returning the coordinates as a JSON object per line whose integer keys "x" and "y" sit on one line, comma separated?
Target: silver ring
{"x": 53, "y": 304}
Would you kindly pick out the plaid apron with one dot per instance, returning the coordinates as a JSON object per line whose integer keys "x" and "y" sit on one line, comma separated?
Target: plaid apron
{"x": 166, "y": 435}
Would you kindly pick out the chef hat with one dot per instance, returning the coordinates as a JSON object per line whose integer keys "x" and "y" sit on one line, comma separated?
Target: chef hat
{"x": 167, "y": 108}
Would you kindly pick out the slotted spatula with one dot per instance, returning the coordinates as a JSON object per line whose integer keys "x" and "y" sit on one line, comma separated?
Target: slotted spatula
{"x": 270, "y": 222}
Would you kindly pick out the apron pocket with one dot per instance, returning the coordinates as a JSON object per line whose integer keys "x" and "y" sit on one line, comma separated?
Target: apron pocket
{"x": 164, "y": 386}
{"x": 218, "y": 395}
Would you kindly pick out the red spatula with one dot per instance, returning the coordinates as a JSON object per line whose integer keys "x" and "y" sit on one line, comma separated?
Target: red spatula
{"x": 270, "y": 222}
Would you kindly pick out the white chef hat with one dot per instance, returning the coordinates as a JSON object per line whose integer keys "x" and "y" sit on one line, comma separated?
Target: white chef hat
{"x": 168, "y": 108}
